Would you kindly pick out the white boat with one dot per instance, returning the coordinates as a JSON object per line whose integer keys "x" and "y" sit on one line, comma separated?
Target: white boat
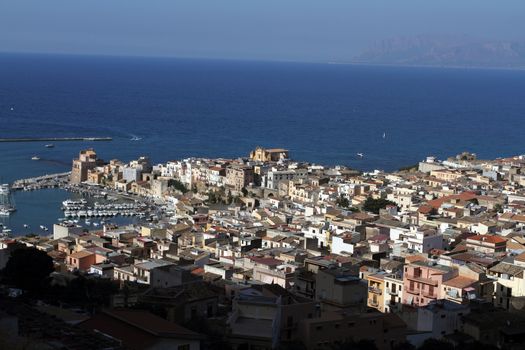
{"x": 136, "y": 138}
{"x": 360, "y": 155}
{"x": 4, "y": 212}
{"x": 4, "y": 189}
{"x": 35, "y": 158}
{"x": 42, "y": 227}
{"x": 384, "y": 135}
{"x": 50, "y": 145}
{"x": 26, "y": 226}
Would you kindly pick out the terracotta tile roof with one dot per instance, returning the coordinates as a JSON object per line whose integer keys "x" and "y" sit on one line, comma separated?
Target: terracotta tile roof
{"x": 266, "y": 261}
{"x": 414, "y": 258}
{"x": 488, "y": 238}
{"x": 81, "y": 254}
{"x": 135, "y": 328}
{"x": 459, "y": 282}
{"x": 465, "y": 196}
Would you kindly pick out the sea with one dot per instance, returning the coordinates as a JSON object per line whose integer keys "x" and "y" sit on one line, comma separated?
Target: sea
{"x": 168, "y": 108}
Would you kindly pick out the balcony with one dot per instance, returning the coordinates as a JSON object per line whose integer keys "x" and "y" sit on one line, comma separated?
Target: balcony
{"x": 415, "y": 291}
{"x": 422, "y": 280}
{"x": 391, "y": 292}
{"x": 429, "y": 295}
{"x": 375, "y": 290}
{"x": 373, "y": 303}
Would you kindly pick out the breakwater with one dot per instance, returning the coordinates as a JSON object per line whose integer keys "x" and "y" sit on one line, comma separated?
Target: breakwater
{"x": 55, "y": 139}
{"x": 45, "y": 181}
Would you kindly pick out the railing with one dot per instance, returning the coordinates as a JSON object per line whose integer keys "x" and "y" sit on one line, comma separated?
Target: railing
{"x": 427, "y": 294}
{"x": 373, "y": 303}
{"x": 422, "y": 280}
{"x": 391, "y": 292}
{"x": 413, "y": 290}
{"x": 375, "y": 290}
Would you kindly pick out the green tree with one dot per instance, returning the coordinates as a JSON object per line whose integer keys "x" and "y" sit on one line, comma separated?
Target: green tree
{"x": 176, "y": 184}
{"x": 342, "y": 201}
{"x": 28, "y": 268}
{"x": 374, "y": 205}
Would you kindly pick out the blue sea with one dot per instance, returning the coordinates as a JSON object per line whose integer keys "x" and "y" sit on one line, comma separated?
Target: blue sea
{"x": 323, "y": 113}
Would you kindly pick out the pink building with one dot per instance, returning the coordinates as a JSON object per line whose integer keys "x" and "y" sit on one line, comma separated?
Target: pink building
{"x": 422, "y": 282}
{"x": 81, "y": 260}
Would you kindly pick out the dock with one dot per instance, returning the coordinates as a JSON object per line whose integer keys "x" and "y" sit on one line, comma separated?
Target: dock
{"x": 54, "y": 139}
{"x": 45, "y": 181}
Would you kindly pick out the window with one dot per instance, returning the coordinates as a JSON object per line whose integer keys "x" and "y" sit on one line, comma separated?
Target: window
{"x": 319, "y": 328}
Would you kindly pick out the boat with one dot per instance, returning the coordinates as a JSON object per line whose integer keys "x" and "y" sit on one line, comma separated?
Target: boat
{"x": 42, "y": 227}
{"x": 50, "y": 145}
{"x": 384, "y": 135}
{"x": 4, "y": 189}
{"x": 4, "y": 212}
{"x": 360, "y": 155}
{"x": 136, "y": 138}
{"x": 26, "y": 226}
{"x": 35, "y": 158}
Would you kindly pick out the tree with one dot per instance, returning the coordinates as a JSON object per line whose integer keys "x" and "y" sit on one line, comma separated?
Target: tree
{"x": 374, "y": 205}
{"x": 342, "y": 201}
{"x": 176, "y": 184}
{"x": 498, "y": 208}
{"x": 28, "y": 268}
{"x": 244, "y": 191}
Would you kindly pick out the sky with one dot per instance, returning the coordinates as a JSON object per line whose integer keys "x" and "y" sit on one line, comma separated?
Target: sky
{"x": 295, "y": 30}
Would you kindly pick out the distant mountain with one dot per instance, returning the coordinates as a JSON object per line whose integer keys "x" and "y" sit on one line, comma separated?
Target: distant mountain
{"x": 445, "y": 51}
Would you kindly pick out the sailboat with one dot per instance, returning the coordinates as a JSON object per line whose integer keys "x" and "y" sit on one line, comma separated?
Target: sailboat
{"x": 7, "y": 205}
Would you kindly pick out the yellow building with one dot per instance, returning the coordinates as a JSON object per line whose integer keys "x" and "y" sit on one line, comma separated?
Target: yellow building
{"x": 376, "y": 292}
{"x": 268, "y": 155}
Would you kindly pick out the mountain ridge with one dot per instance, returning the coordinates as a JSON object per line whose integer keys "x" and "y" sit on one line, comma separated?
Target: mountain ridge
{"x": 449, "y": 51}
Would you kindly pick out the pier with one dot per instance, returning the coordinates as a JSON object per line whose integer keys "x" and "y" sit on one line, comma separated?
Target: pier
{"x": 55, "y": 139}
{"x": 45, "y": 181}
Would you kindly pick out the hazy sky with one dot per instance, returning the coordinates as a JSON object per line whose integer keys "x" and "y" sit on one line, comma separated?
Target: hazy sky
{"x": 304, "y": 30}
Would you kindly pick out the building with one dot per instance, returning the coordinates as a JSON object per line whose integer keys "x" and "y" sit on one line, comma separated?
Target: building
{"x": 269, "y": 155}
{"x": 487, "y": 243}
{"x": 266, "y": 316}
{"x": 239, "y": 177}
{"x": 330, "y": 329}
{"x": 422, "y": 282}
{"x": 137, "y": 329}
{"x": 87, "y": 160}
{"x": 376, "y": 292}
